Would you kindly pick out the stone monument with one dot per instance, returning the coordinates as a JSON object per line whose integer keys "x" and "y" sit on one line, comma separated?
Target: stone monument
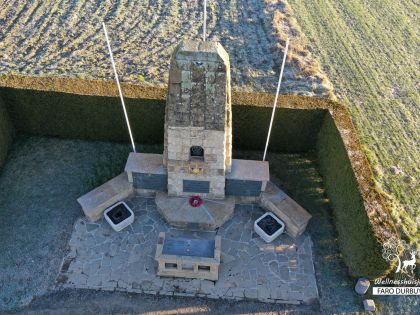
{"x": 197, "y": 159}
{"x": 198, "y": 120}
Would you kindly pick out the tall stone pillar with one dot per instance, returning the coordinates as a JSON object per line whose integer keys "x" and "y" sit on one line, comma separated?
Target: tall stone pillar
{"x": 198, "y": 120}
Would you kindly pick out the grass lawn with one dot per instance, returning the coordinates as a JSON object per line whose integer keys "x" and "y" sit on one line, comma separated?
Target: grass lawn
{"x": 369, "y": 50}
{"x": 39, "y": 186}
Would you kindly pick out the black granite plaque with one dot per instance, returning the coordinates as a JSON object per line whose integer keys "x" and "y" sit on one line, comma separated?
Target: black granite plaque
{"x": 188, "y": 247}
{"x": 235, "y": 187}
{"x": 196, "y": 186}
{"x": 150, "y": 181}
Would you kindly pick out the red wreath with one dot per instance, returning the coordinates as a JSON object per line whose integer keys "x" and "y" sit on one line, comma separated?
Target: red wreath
{"x": 196, "y": 201}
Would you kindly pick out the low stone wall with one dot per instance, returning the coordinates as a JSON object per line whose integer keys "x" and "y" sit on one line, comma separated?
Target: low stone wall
{"x": 6, "y": 133}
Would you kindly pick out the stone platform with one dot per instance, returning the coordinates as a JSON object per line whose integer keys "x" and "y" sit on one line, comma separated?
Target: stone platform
{"x": 178, "y": 212}
{"x": 250, "y": 269}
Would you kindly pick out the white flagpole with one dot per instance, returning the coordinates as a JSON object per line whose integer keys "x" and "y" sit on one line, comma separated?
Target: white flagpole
{"x": 205, "y": 20}
{"x": 275, "y": 100}
{"x": 119, "y": 87}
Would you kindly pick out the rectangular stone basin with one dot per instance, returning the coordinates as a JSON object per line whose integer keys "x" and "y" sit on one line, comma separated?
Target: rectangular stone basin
{"x": 188, "y": 258}
{"x": 188, "y": 247}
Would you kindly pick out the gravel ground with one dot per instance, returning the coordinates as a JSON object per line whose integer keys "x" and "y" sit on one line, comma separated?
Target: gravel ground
{"x": 98, "y": 302}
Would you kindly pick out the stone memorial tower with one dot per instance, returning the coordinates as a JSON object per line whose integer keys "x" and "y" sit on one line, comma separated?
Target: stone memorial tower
{"x": 198, "y": 120}
{"x": 197, "y": 157}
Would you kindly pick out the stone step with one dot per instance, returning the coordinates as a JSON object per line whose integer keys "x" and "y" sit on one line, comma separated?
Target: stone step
{"x": 209, "y": 216}
{"x": 289, "y": 211}
{"x": 96, "y": 201}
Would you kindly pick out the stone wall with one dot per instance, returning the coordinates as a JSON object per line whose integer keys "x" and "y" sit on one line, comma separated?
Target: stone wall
{"x": 180, "y": 166}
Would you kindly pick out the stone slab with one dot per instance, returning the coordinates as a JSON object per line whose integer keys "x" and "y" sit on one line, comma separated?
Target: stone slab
{"x": 249, "y": 170}
{"x": 250, "y": 269}
{"x": 369, "y": 305}
{"x": 96, "y": 201}
{"x": 289, "y": 211}
{"x": 177, "y": 211}
{"x": 145, "y": 163}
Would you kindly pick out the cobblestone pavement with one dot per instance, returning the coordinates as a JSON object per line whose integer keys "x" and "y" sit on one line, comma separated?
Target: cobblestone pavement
{"x": 279, "y": 272}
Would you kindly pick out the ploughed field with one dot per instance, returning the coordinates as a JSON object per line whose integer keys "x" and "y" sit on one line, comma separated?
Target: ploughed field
{"x": 369, "y": 50}
{"x": 65, "y": 38}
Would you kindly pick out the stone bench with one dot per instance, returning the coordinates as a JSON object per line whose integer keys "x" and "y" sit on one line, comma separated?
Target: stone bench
{"x": 289, "y": 211}
{"x": 188, "y": 258}
{"x": 96, "y": 201}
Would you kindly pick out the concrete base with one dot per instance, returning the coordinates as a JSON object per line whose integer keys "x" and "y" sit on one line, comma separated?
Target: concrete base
{"x": 117, "y": 227}
{"x": 209, "y": 216}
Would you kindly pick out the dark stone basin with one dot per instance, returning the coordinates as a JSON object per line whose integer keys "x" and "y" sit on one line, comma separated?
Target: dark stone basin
{"x": 188, "y": 247}
{"x": 118, "y": 214}
{"x": 269, "y": 225}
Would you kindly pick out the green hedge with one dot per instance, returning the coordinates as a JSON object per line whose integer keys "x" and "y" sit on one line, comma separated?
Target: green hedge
{"x": 294, "y": 130}
{"x": 84, "y": 117}
{"x": 101, "y": 118}
{"x": 361, "y": 251}
{"x": 6, "y": 132}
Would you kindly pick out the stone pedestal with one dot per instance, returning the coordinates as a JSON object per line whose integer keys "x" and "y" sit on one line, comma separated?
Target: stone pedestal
{"x": 188, "y": 258}
{"x": 178, "y": 212}
{"x": 362, "y": 286}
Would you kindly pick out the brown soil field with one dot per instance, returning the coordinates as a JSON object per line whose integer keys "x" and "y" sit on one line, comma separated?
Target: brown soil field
{"x": 65, "y": 38}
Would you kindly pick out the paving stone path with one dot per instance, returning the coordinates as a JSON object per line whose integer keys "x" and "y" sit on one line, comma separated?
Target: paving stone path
{"x": 279, "y": 272}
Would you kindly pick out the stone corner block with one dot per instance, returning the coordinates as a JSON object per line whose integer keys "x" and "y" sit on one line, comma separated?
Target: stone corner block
{"x": 369, "y": 305}
{"x": 362, "y": 286}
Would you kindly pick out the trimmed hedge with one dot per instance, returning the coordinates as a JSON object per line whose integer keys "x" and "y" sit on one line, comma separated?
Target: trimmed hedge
{"x": 294, "y": 130}
{"x": 84, "y": 117}
{"x": 6, "y": 133}
{"x": 101, "y": 118}
{"x": 361, "y": 250}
